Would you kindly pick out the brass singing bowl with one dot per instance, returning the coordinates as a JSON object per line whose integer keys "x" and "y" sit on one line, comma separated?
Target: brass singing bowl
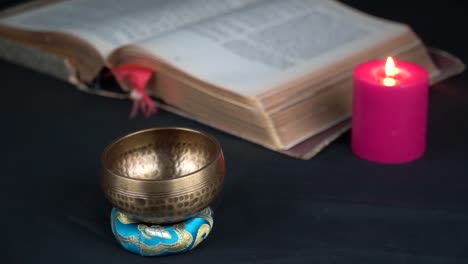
{"x": 162, "y": 175}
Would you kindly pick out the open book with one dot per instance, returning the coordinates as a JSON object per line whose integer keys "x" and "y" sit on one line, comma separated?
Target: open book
{"x": 274, "y": 72}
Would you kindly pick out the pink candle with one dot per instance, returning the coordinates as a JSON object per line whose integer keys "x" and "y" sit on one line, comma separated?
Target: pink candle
{"x": 390, "y": 102}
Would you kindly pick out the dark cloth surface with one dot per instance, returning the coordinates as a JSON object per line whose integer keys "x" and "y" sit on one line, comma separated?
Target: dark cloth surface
{"x": 335, "y": 208}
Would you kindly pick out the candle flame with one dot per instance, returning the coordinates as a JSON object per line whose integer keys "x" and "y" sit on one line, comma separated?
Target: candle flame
{"x": 390, "y": 71}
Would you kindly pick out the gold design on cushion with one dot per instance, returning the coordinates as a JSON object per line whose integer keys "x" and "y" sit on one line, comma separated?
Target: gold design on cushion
{"x": 124, "y": 219}
{"x": 150, "y": 232}
{"x": 206, "y": 214}
{"x": 184, "y": 241}
{"x": 129, "y": 240}
{"x": 202, "y": 233}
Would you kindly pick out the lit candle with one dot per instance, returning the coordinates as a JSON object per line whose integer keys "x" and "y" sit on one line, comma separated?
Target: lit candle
{"x": 390, "y": 101}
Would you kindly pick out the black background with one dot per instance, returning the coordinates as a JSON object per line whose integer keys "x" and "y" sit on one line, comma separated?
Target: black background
{"x": 335, "y": 208}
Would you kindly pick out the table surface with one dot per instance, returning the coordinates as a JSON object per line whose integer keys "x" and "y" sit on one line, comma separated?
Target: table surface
{"x": 335, "y": 208}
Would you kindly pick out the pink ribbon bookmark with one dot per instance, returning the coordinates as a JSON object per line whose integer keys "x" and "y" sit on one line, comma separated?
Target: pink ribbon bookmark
{"x": 138, "y": 76}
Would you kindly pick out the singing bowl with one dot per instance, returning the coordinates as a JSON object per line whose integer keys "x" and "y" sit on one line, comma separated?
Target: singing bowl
{"x": 162, "y": 175}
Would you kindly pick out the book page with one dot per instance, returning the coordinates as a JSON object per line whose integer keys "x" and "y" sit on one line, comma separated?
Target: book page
{"x": 109, "y": 24}
{"x": 253, "y": 49}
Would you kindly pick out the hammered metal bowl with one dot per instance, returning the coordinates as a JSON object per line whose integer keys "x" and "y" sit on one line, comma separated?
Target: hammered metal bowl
{"x": 162, "y": 175}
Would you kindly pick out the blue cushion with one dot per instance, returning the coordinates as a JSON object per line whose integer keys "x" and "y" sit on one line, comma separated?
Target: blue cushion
{"x": 159, "y": 240}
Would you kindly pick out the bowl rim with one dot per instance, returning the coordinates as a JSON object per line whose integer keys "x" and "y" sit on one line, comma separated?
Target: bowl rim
{"x": 119, "y": 139}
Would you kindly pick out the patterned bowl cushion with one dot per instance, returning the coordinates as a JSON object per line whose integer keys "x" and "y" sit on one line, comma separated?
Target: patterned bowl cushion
{"x": 159, "y": 240}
